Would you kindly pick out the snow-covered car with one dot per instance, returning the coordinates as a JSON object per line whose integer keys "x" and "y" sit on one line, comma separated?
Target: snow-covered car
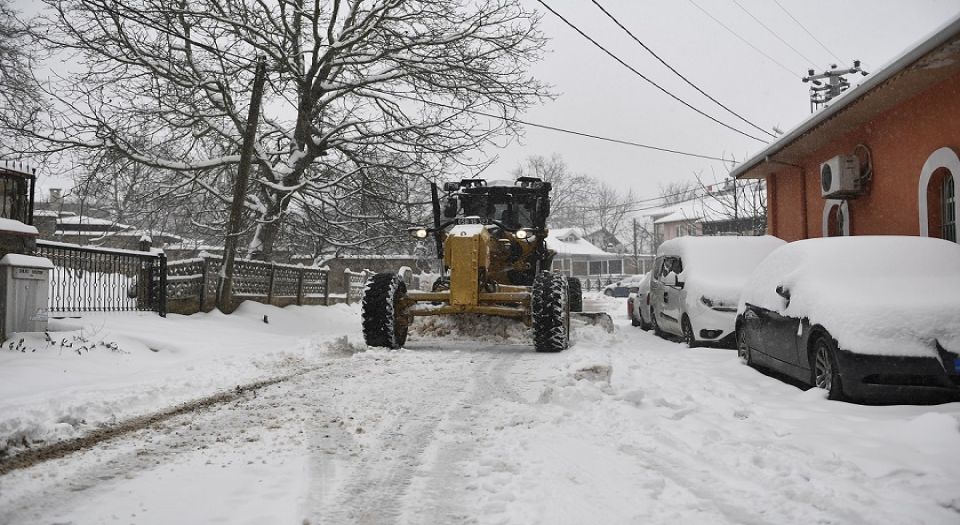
{"x": 696, "y": 285}
{"x": 624, "y": 287}
{"x": 638, "y": 304}
{"x": 871, "y": 318}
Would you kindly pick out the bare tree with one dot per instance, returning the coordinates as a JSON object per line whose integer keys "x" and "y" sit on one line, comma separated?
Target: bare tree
{"x": 569, "y": 188}
{"x": 730, "y": 206}
{"x": 679, "y": 191}
{"x": 18, "y": 93}
{"x": 353, "y": 86}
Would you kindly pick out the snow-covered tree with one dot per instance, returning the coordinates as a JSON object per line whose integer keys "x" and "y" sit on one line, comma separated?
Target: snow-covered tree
{"x": 18, "y": 94}
{"x": 354, "y": 89}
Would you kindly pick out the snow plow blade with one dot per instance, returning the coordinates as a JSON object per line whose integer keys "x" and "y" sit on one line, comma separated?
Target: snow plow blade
{"x": 601, "y": 319}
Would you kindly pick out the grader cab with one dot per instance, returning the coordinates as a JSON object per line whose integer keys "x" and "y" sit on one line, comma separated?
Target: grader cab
{"x": 495, "y": 261}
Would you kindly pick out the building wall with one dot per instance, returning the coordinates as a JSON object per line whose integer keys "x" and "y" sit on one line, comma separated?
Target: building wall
{"x": 900, "y": 140}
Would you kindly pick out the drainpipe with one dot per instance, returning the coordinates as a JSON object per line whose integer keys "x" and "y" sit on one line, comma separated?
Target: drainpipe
{"x": 803, "y": 202}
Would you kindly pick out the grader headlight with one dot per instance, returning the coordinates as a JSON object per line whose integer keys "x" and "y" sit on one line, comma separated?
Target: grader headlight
{"x": 419, "y": 233}
{"x": 523, "y": 234}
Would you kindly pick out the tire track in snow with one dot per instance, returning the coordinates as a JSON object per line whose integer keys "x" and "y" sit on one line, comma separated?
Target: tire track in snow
{"x": 364, "y": 476}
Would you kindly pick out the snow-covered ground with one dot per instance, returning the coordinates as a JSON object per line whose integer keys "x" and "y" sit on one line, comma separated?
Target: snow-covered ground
{"x": 465, "y": 425}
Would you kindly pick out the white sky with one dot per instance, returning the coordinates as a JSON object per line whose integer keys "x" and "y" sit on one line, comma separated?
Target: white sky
{"x": 601, "y": 97}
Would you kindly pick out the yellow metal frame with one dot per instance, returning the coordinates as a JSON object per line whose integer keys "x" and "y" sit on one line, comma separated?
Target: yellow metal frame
{"x": 468, "y": 258}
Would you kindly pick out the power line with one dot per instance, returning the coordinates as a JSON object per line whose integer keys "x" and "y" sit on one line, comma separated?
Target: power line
{"x": 668, "y": 66}
{"x": 745, "y": 41}
{"x": 807, "y": 30}
{"x": 641, "y": 75}
{"x": 774, "y": 33}
{"x": 557, "y": 129}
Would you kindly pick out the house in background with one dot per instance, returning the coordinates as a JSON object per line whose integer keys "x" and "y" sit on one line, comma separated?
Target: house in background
{"x": 578, "y": 257}
{"x": 881, "y": 159}
{"x": 715, "y": 212}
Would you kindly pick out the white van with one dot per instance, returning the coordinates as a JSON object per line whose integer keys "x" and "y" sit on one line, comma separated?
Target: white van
{"x": 696, "y": 283}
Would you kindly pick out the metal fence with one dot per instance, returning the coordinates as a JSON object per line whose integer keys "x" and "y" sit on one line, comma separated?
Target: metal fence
{"x": 86, "y": 279}
{"x": 192, "y": 283}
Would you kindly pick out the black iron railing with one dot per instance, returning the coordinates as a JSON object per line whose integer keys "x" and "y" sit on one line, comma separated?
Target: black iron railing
{"x": 86, "y": 279}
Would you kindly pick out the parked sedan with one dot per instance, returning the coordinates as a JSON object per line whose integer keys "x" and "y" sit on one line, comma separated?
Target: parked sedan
{"x": 870, "y": 318}
{"x": 624, "y": 287}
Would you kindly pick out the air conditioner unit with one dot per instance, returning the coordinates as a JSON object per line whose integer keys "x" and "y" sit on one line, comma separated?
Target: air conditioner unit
{"x": 840, "y": 177}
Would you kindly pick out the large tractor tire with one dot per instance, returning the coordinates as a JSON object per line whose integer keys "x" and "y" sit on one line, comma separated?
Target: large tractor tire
{"x": 383, "y": 323}
{"x": 551, "y": 313}
{"x": 575, "y": 293}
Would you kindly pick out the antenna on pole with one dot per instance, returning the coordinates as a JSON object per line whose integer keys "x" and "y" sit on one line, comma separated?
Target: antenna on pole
{"x": 829, "y": 84}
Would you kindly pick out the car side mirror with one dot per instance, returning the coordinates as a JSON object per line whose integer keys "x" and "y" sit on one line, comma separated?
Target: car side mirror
{"x": 783, "y": 292}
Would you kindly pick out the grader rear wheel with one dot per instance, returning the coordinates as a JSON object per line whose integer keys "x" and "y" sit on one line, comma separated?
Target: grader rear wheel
{"x": 551, "y": 313}
{"x": 383, "y": 322}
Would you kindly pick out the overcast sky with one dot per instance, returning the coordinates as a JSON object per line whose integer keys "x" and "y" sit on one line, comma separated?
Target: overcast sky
{"x": 599, "y": 96}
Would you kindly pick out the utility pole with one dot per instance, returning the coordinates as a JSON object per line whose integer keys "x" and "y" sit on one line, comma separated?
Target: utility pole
{"x": 636, "y": 255}
{"x": 829, "y": 84}
{"x": 225, "y": 291}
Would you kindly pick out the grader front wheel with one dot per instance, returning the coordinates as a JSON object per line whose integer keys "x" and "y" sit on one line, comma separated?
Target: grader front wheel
{"x": 383, "y": 322}
{"x": 551, "y": 313}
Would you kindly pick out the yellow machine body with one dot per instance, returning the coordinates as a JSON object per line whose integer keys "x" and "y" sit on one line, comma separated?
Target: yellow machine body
{"x": 478, "y": 265}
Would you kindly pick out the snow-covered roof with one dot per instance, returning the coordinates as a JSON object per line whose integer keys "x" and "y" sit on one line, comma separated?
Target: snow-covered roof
{"x": 14, "y": 226}
{"x": 570, "y": 241}
{"x": 908, "y": 72}
{"x": 82, "y": 219}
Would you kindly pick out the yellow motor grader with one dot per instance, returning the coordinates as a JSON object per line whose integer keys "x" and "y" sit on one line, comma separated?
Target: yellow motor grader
{"x": 495, "y": 261}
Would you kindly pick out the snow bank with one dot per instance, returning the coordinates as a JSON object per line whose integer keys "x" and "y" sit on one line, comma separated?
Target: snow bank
{"x": 882, "y": 295}
{"x": 108, "y": 367}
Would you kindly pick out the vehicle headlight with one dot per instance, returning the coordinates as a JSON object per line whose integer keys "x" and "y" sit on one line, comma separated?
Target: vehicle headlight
{"x": 717, "y": 304}
{"x": 522, "y": 234}
{"x": 419, "y": 233}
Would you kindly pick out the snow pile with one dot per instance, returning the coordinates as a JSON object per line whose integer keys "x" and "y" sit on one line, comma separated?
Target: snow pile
{"x": 84, "y": 373}
{"x": 480, "y": 328}
{"x": 883, "y": 295}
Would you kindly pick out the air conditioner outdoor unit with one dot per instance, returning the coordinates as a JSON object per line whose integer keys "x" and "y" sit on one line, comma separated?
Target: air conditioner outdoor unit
{"x": 840, "y": 177}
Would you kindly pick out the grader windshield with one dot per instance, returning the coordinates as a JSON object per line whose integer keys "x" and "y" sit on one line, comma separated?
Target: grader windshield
{"x": 514, "y": 205}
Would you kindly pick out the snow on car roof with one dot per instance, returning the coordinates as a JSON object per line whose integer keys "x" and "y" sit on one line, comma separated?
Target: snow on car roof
{"x": 719, "y": 266}
{"x": 886, "y": 295}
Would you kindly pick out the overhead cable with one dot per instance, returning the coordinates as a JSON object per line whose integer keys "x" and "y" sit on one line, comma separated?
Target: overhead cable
{"x": 745, "y": 41}
{"x": 555, "y": 128}
{"x": 671, "y": 68}
{"x": 774, "y": 33}
{"x": 824, "y": 46}
{"x": 641, "y": 75}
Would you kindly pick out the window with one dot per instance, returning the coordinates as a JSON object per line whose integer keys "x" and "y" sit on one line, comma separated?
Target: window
{"x": 596, "y": 268}
{"x": 615, "y": 266}
{"x": 948, "y": 202}
{"x": 937, "y": 195}
{"x": 836, "y": 218}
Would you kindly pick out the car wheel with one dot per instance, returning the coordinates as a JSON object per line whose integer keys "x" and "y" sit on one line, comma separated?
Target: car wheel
{"x": 688, "y": 336}
{"x": 826, "y": 374}
{"x": 608, "y": 293}
{"x": 644, "y": 325}
{"x": 743, "y": 351}
{"x": 634, "y": 321}
{"x": 656, "y": 327}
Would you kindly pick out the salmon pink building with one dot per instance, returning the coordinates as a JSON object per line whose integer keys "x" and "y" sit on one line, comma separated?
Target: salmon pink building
{"x": 882, "y": 158}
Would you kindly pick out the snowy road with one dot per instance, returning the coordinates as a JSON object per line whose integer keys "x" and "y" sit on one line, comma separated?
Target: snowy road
{"x": 621, "y": 428}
